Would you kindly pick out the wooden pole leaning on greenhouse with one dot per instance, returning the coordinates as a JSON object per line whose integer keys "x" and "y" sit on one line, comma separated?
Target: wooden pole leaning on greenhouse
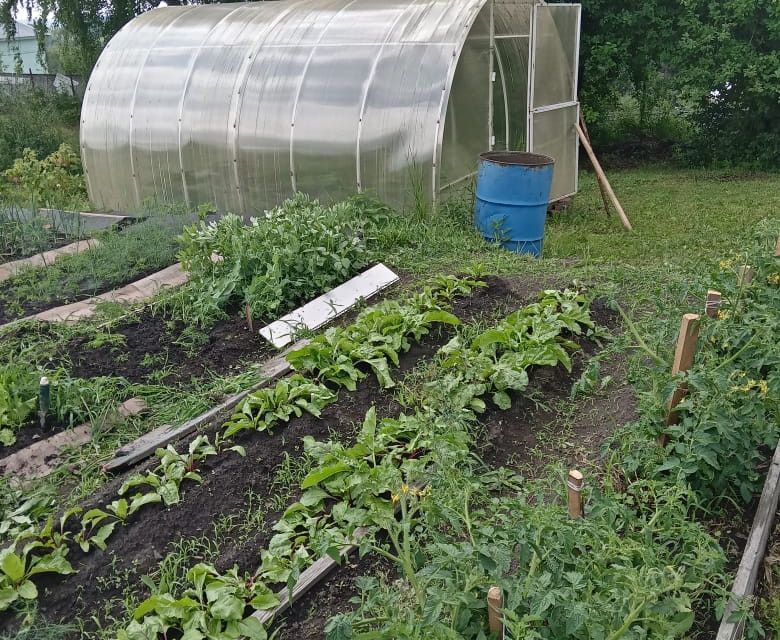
{"x": 601, "y": 176}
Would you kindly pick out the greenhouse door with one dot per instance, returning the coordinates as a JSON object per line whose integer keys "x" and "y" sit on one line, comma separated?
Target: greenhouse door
{"x": 553, "y": 109}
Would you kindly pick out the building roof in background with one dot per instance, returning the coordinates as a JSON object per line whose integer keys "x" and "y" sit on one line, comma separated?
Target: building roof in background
{"x": 22, "y": 31}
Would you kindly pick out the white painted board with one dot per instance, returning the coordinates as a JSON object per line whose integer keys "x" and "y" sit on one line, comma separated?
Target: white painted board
{"x": 316, "y": 313}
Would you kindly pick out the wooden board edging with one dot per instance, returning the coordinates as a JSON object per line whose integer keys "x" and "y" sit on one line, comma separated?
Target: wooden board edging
{"x": 747, "y": 573}
{"x": 45, "y": 258}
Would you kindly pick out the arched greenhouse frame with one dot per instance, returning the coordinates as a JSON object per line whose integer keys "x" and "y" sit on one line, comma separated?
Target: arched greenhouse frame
{"x": 242, "y": 105}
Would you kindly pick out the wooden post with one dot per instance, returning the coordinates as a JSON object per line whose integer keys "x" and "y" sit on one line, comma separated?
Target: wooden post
{"x": 248, "y": 311}
{"x": 777, "y": 248}
{"x": 574, "y": 484}
{"x": 495, "y": 602}
{"x": 712, "y": 305}
{"x": 604, "y": 197}
{"x": 602, "y": 177}
{"x": 746, "y": 273}
{"x": 683, "y": 360}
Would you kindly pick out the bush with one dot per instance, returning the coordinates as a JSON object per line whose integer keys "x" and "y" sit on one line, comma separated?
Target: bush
{"x": 55, "y": 182}
{"x": 33, "y": 119}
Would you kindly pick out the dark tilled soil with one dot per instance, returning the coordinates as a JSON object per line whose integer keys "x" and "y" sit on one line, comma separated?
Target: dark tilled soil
{"x": 229, "y": 478}
{"x": 149, "y": 348}
{"x": 227, "y": 481}
{"x": 513, "y": 438}
{"x": 308, "y": 617}
{"x": 533, "y": 432}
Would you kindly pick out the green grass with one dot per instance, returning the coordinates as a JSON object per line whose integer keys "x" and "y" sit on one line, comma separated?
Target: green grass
{"x": 685, "y": 222}
{"x": 683, "y": 218}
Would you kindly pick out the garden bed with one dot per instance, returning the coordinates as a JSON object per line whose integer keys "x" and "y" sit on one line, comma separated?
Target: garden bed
{"x": 544, "y": 426}
{"x": 122, "y": 256}
{"x": 229, "y": 479}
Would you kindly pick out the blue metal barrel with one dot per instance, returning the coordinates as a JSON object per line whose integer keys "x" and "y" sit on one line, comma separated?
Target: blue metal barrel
{"x": 513, "y": 190}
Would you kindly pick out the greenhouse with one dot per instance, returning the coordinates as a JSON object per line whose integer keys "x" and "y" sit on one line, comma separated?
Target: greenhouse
{"x": 241, "y": 105}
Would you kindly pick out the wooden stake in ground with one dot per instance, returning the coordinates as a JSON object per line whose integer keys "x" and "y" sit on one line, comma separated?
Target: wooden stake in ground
{"x": 712, "y": 305}
{"x": 683, "y": 361}
{"x": 248, "y": 311}
{"x": 495, "y": 602}
{"x": 602, "y": 177}
{"x": 574, "y": 485}
{"x": 777, "y": 248}
{"x": 746, "y": 273}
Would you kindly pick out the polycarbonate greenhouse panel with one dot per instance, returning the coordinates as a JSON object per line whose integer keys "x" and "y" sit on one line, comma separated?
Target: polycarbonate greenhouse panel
{"x": 241, "y": 105}
{"x": 556, "y": 41}
{"x": 466, "y": 131}
{"x": 553, "y": 91}
{"x": 555, "y": 135}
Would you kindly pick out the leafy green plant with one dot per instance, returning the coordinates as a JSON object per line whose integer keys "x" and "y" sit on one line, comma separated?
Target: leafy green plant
{"x": 214, "y": 606}
{"x": 55, "y": 182}
{"x": 17, "y": 569}
{"x": 165, "y": 479}
{"x": 497, "y": 360}
{"x": 18, "y": 399}
{"x": 292, "y": 254}
{"x": 735, "y": 382}
{"x": 379, "y": 335}
{"x": 364, "y": 482}
{"x": 266, "y": 407}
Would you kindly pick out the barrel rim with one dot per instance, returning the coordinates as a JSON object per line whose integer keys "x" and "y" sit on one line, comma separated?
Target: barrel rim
{"x": 517, "y": 158}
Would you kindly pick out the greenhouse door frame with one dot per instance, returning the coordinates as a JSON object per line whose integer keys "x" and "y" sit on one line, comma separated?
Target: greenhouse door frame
{"x": 535, "y": 49}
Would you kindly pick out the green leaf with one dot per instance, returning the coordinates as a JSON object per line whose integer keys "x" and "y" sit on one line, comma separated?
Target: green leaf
{"x": 27, "y": 590}
{"x": 502, "y": 400}
{"x": 53, "y": 563}
{"x": 227, "y": 607}
{"x": 12, "y": 566}
{"x": 323, "y": 473}
{"x": 251, "y": 628}
{"x": 169, "y": 492}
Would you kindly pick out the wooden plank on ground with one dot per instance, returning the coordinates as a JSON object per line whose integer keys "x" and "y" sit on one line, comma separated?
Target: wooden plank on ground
{"x": 747, "y": 573}
{"x": 148, "y": 443}
{"x": 41, "y": 458}
{"x": 10, "y": 269}
{"x": 309, "y": 579}
{"x": 323, "y": 309}
{"x": 132, "y": 293}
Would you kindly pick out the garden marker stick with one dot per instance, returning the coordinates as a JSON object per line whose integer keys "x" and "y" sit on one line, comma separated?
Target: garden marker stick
{"x": 248, "y": 311}
{"x": 495, "y": 602}
{"x": 777, "y": 248}
{"x": 574, "y": 485}
{"x": 712, "y": 305}
{"x": 44, "y": 399}
{"x": 683, "y": 361}
{"x": 746, "y": 273}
